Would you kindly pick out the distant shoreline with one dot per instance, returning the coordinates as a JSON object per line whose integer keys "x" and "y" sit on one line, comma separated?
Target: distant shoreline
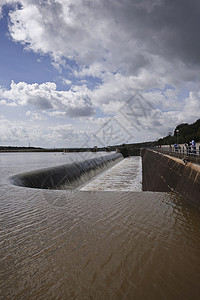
{"x": 24, "y": 149}
{"x": 133, "y": 149}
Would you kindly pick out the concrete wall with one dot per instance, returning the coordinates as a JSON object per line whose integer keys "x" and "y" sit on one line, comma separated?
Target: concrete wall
{"x": 165, "y": 173}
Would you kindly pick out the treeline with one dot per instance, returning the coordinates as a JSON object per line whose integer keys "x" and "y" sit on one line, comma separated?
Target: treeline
{"x": 19, "y": 149}
{"x": 183, "y": 133}
{"x": 39, "y": 149}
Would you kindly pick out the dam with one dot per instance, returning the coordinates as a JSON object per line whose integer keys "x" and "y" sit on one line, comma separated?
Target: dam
{"x": 68, "y": 176}
{"x": 100, "y": 240}
{"x": 164, "y": 173}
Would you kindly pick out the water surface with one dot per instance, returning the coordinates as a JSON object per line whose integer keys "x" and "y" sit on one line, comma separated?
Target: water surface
{"x": 58, "y": 244}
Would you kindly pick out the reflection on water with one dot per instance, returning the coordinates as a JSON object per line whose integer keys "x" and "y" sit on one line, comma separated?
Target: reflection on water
{"x": 58, "y": 244}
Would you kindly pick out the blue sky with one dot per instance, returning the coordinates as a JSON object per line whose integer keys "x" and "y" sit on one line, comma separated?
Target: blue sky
{"x": 97, "y": 73}
{"x": 19, "y": 65}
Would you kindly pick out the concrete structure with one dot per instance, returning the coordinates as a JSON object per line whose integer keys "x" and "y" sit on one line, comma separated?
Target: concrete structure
{"x": 164, "y": 173}
{"x": 69, "y": 176}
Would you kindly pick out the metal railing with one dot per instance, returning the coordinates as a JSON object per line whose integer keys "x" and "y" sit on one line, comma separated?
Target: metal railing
{"x": 187, "y": 152}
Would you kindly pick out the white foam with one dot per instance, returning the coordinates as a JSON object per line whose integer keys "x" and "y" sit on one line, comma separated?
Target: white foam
{"x": 125, "y": 176}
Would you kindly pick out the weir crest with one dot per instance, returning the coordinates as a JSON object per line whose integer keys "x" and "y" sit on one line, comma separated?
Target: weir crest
{"x": 69, "y": 176}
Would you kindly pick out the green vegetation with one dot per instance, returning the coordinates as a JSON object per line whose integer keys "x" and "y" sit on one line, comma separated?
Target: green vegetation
{"x": 183, "y": 132}
{"x": 20, "y": 149}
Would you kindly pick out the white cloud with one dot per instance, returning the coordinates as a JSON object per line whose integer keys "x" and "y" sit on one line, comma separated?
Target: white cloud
{"x": 150, "y": 46}
{"x": 21, "y": 133}
{"x": 46, "y": 97}
{"x": 95, "y": 70}
{"x": 69, "y": 135}
{"x": 57, "y": 114}
{"x": 135, "y": 113}
{"x": 12, "y": 132}
{"x": 35, "y": 116}
{"x": 66, "y": 81}
{"x": 191, "y": 107}
{"x": 131, "y": 38}
{"x": 3, "y": 102}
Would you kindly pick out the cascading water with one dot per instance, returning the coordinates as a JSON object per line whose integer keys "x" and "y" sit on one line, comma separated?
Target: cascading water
{"x": 124, "y": 176}
{"x": 68, "y": 176}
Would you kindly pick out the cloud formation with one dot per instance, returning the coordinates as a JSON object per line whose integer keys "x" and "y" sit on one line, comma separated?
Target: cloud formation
{"x": 18, "y": 133}
{"x": 150, "y": 46}
{"x": 45, "y": 97}
{"x": 121, "y": 33}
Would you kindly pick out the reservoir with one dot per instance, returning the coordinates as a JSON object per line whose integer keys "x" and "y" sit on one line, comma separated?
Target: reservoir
{"x": 106, "y": 239}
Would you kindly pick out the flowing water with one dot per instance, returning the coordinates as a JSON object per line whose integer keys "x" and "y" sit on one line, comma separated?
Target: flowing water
{"x": 115, "y": 242}
{"x": 125, "y": 176}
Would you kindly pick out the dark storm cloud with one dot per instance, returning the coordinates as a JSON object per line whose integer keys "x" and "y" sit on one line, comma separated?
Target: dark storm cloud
{"x": 127, "y": 30}
{"x": 178, "y": 28}
{"x": 168, "y": 28}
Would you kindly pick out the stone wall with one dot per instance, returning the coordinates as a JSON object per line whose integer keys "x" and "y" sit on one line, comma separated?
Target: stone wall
{"x": 163, "y": 173}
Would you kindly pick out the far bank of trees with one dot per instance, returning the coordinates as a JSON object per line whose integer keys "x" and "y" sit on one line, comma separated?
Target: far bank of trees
{"x": 184, "y": 133}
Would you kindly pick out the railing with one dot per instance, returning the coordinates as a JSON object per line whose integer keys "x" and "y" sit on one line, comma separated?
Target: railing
{"x": 188, "y": 152}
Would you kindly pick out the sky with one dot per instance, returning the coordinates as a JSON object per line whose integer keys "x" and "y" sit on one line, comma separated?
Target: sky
{"x": 97, "y": 72}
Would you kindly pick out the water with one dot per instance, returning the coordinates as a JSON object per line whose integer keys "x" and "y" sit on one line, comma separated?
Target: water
{"x": 66, "y": 176}
{"x": 125, "y": 176}
{"x": 58, "y": 244}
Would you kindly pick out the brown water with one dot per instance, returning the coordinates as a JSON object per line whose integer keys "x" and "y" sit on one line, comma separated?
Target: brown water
{"x": 59, "y": 244}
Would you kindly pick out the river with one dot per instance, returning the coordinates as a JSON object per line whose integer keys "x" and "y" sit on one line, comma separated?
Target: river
{"x": 105, "y": 240}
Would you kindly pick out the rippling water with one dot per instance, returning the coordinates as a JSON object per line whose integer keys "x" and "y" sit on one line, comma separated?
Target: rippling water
{"x": 59, "y": 244}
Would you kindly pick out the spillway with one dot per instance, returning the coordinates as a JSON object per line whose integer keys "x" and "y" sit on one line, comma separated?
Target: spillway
{"x": 124, "y": 176}
{"x": 68, "y": 176}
